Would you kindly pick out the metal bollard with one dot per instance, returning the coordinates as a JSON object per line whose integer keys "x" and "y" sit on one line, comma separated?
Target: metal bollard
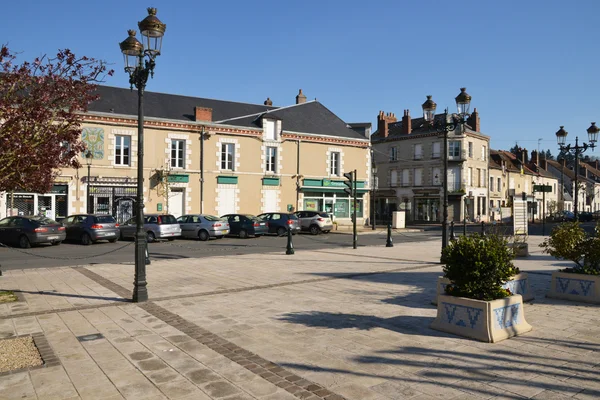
{"x": 482, "y": 228}
{"x": 290, "y": 246}
{"x": 452, "y": 237}
{"x": 389, "y": 242}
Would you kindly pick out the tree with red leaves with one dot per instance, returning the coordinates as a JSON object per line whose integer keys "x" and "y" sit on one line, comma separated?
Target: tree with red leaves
{"x": 42, "y": 104}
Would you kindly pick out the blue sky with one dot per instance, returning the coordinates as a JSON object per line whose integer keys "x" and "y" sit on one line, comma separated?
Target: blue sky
{"x": 529, "y": 65}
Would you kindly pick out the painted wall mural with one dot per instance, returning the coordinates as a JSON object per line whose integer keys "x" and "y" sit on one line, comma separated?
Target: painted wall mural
{"x": 94, "y": 140}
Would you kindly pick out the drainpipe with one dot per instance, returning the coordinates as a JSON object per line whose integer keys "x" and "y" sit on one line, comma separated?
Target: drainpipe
{"x": 202, "y": 171}
{"x": 297, "y": 174}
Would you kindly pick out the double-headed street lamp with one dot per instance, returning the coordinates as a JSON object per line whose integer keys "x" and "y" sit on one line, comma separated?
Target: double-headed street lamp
{"x": 89, "y": 157}
{"x": 561, "y": 136}
{"x": 463, "y": 102}
{"x": 139, "y": 64}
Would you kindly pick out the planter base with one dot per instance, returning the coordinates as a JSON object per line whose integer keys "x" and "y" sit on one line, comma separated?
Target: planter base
{"x": 487, "y": 321}
{"x": 518, "y": 284}
{"x": 577, "y": 287}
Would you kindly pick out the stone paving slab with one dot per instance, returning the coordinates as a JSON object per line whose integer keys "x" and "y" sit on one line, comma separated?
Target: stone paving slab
{"x": 317, "y": 325}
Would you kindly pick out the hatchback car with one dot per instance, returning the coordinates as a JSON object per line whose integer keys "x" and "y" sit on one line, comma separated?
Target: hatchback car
{"x": 314, "y": 221}
{"x": 202, "y": 226}
{"x": 88, "y": 228}
{"x": 27, "y": 230}
{"x": 585, "y": 216}
{"x": 280, "y": 222}
{"x": 245, "y": 225}
{"x": 156, "y": 226}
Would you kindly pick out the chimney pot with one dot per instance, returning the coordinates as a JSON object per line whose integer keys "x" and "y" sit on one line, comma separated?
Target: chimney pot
{"x": 300, "y": 98}
{"x": 268, "y": 102}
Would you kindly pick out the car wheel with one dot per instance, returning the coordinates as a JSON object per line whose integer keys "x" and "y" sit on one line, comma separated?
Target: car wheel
{"x": 314, "y": 230}
{"x": 203, "y": 236}
{"x": 112, "y": 240}
{"x": 243, "y": 234}
{"x": 86, "y": 240}
{"x": 150, "y": 237}
{"x": 24, "y": 242}
{"x": 56, "y": 243}
{"x": 281, "y": 231}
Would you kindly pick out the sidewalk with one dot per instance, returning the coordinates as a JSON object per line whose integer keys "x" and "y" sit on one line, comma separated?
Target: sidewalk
{"x": 328, "y": 324}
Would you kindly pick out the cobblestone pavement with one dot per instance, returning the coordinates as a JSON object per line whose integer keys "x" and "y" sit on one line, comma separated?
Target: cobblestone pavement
{"x": 327, "y": 324}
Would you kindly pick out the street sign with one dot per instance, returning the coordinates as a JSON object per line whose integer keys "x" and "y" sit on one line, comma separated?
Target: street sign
{"x": 542, "y": 188}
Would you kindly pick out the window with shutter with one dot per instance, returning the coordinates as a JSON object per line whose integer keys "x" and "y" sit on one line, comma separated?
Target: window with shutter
{"x": 436, "y": 150}
{"x": 405, "y": 180}
{"x": 418, "y": 176}
{"x": 393, "y": 178}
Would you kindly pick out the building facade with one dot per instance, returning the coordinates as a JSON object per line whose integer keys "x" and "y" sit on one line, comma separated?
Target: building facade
{"x": 409, "y": 157}
{"x": 210, "y": 156}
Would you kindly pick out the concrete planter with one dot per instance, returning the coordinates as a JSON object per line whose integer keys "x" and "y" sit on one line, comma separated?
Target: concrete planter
{"x": 578, "y": 287}
{"x": 487, "y": 321}
{"x": 520, "y": 249}
{"x": 518, "y": 284}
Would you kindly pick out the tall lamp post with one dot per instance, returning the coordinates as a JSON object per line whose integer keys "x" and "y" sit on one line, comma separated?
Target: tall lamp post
{"x": 463, "y": 102}
{"x": 139, "y": 64}
{"x": 577, "y": 150}
{"x": 374, "y": 189}
{"x": 89, "y": 157}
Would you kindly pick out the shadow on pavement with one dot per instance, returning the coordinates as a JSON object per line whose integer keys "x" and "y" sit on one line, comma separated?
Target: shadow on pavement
{"x": 78, "y": 296}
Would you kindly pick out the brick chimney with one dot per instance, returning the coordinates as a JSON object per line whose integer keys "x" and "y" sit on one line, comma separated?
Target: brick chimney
{"x": 523, "y": 155}
{"x": 203, "y": 114}
{"x": 544, "y": 164}
{"x": 535, "y": 157}
{"x": 383, "y": 121}
{"x": 563, "y": 162}
{"x": 268, "y": 102}
{"x": 474, "y": 122}
{"x": 406, "y": 122}
{"x": 300, "y": 98}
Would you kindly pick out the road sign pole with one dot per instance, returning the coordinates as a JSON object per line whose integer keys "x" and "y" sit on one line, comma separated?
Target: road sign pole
{"x": 354, "y": 234}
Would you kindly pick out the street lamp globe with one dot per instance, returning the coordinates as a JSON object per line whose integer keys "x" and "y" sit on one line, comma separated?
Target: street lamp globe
{"x": 152, "y": 30}
{"x": 561, "y": 136}
{"x": 89, "y": 157}
{"x": 429, "y": 109}
{"x": 132, "y": 49}
{"x": 593, "y": 133}
{"x": 463, "y": 102}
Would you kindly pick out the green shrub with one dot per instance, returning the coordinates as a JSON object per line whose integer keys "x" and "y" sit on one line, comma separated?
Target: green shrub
{"x": 568, "y": 241}
{"x": 477, "y": 266}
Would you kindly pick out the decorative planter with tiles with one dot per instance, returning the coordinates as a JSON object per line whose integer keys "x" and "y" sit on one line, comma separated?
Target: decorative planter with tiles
{"x": 578, "y": 287}
{"x": 518, "y": 284}
{"x": 487, "y": 321}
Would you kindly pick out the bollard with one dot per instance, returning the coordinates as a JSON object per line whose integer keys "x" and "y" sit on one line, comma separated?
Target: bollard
{"x": 482, "y": 228}
{"x": 452, "y": 237}
{"x": 389, "y": 242}
{"x": 290, "y": 246}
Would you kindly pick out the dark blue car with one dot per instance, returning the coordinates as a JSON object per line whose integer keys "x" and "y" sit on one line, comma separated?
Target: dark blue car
{"x": 245, "y": 225}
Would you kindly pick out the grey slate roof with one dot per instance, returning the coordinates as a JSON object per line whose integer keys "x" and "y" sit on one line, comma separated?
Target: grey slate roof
{"x": 311, "y": 117}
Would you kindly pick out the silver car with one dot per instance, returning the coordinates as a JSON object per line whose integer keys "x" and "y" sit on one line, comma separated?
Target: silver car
{"x": 314, "y": 221}
{"x": 202, "y": 226}
{"x": 157, "y": 226}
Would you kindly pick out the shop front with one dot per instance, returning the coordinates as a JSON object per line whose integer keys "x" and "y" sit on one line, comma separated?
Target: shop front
{"x": 427, "y": 206}
{"x": 112, "y": 196}
{"x": 54, "y": 205}
{"x": 329, "y": 196}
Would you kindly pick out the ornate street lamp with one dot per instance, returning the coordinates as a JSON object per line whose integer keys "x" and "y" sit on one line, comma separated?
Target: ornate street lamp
{"x": 139, "y": 64}
{"x": 463, "y": 102}
{"x": 89, "y": 157}
{"x": 577, "y": 150}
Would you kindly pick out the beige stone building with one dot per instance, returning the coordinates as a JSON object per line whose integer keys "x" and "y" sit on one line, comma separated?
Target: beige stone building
{"x": 409, "y": 159}
{"x": 211, "y": 156}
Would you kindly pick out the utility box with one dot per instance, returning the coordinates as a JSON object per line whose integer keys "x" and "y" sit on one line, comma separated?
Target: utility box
{"x": 398, "y": 219}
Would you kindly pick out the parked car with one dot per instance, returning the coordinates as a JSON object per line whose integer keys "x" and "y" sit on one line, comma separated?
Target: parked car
{"x": 157, "y": 226}
{"x": 89, "y": 228}
{"x": 563, "y": 216}
{"x": 314, "y": 221}
{"x": 202, "y": 226}
{"x": 280, "y": 222}
{"x": 245, "y": 225}
{"x": 585, "y": 216}
{"x": 30, "y": 230}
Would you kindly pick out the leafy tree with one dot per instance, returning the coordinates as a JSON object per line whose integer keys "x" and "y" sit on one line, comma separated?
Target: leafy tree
{"x": 41, "y": 108}
{"x": 515, "y": 149}
{"x": 548, "y": 155}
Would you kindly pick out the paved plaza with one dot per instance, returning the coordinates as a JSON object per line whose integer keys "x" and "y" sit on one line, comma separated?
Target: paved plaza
{"x": 320, "y": 324}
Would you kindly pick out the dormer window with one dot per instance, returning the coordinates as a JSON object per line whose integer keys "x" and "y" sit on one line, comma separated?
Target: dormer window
{"x": 270, "y": 131}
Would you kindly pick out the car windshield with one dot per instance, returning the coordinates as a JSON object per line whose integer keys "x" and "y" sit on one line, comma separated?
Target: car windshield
{"x": 43, "y": 220}
{"x": 211, "y": 218}
{"x": 105, "y": 219}
{"x": 167, "y": 219}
